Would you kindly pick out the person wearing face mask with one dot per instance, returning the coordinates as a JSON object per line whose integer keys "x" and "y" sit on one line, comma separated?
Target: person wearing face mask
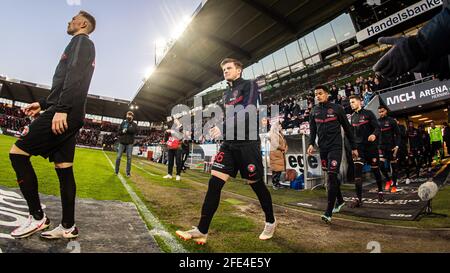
{"x": 127, "y": 133}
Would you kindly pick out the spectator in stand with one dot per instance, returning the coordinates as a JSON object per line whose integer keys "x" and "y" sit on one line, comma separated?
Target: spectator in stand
{"x": 367, "y": 94}
{"x": 349, "y": 90}
{"x": 334, "y": 91}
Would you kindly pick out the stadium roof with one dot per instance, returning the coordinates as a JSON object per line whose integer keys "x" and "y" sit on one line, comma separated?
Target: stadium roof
{"x": 27, "y": 92}
{"x": 247, "y": 30}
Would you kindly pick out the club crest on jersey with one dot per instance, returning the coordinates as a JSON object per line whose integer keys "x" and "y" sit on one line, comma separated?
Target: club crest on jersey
{"x": 251, "y": 168}
{"x": 330, "y": 111}
{"x": 235, "y": 94}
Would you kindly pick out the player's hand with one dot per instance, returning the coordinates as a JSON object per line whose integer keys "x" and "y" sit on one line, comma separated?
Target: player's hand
{"x": 372, "y": 138}
{"x": 124, "y": 131}
{"x": 32, "y": 110}
{"x": 59, "y": 123}
{"x": 355, "y": 154}
{"x": 311, "y": 150}
{"x": 264, "y": 122}
{"x": 401, "y": 58}
{"x": 395, "y": 150}
{"x": 215, "y": 132}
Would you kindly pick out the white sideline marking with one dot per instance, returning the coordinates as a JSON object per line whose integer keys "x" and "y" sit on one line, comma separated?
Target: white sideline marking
{"x": 158, "y": 228}
{"x": 142, "y": 169}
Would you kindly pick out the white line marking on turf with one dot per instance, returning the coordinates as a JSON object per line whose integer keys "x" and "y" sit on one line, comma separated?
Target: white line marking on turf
{"x": 144, "y": 170}
{"x": 134, "y": 164}
{"x": 158, "y": 228}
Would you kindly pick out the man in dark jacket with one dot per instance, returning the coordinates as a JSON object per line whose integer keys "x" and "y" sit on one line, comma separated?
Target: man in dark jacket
{"x": 326, "y": 121}
{"x": 367, "y": 132}
{"x": 447, "y": 136}
{"x": 127, "y": 132}
{"x": 389, "y": 144}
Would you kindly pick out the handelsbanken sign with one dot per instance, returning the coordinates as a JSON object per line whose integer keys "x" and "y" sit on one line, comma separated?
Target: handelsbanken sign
{"x": 397, "y": 18}
{"x": 420, "y": 94}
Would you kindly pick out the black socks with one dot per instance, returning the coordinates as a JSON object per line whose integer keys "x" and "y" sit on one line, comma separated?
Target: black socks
{"x": 26, "y": 177}
{"x": 378, "y": 178}
{"x": 211, "y": 203}
{"x": 212, "y": 200}
{"x": 334, "y": 192}
{"x": 358, "y": 180}
{"x": 265, "y": 199}
{"x": 68, "y": 191}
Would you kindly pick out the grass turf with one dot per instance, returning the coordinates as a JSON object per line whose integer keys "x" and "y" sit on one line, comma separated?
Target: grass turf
{"x": 178, "y": 205}
{"x": 93, "y": 174}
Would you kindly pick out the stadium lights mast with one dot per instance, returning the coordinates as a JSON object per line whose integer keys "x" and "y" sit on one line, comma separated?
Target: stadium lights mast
{"x": 162, "y": 45}
{"x": 149, "y": 72}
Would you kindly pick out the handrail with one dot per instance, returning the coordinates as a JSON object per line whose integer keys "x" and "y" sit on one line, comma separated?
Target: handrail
{"x": 411, "y": 83}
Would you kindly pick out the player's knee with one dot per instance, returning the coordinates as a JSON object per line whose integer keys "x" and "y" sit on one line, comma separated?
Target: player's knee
{"x": 17, "y": 151}
{"x": 63, "y": 165}
{"x": 222, "y": 176}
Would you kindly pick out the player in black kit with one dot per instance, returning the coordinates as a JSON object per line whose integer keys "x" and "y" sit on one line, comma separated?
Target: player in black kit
{"x": 416, "y": 151}
{"x": 367, "y": 133}
{"x": 52, "y": 135}
{"x": 239, "y": 152}
{"x": 326, "y": 120}
{"x": 389, "y": 144}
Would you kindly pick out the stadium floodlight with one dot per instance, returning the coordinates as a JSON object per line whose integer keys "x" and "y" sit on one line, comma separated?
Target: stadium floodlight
{"x": 160, "y": 42}
{"x": 423, "y": 119}
{"x": 160, "y": 49}
{"x": 181, "y": 27}
{"x": 417, "y": 116}
{"x": 149, "y": 72}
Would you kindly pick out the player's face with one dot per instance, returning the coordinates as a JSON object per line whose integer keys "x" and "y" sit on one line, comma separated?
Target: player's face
{"x": 382, "y": 112}
{"x": 77, "y": 23}
{"x": 321, "y": 96}
{"x": 231, "y": 72}
{"x": 355, "y": 104}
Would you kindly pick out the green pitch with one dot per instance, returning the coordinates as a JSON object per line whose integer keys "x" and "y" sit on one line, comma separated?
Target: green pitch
{"x": 94, "y": 176}
{"x": 239, "y": 219}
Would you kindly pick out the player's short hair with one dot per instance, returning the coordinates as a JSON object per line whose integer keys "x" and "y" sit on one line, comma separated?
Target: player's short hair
{"x": 91, "y": 20}
{"x": 323, "y": 87}
{"x": 355, "y": 97}
{"x": 236, "y": 62}
{"x": 383, "y": 107}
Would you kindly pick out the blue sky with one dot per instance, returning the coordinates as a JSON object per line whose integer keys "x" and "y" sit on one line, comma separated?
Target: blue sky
{"x": 33, "y": 37}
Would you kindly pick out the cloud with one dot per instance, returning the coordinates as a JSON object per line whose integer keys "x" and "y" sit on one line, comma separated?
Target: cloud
{"x": 73, "y": 2}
